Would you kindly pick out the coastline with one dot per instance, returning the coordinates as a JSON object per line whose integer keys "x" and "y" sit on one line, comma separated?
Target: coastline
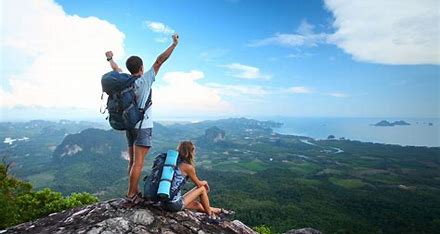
{"x": 419, "y": 133}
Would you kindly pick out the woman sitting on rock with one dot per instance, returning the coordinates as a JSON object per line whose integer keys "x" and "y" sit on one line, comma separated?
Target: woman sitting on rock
{"x": 197, "y": 198}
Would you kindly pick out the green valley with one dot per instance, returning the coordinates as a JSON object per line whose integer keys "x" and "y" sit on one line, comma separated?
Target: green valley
{"x": 281, "y": 181}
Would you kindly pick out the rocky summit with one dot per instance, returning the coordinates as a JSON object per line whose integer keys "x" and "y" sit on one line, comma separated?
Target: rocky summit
{"x": 111, "y": 217}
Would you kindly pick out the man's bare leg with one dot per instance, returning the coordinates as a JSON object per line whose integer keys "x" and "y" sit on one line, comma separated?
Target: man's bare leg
{"x": 130, "y": 159}
{"x": 136, "y": 169}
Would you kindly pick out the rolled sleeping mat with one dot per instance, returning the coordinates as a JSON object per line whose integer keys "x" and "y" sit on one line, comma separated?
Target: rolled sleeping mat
{"x": 163, "y": 192}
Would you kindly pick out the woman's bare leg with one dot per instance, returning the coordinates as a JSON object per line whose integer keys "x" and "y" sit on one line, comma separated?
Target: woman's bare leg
{"x": 195, "y": 205}
{"x": 195, "y": 193}
{"x": 216, "y": 210}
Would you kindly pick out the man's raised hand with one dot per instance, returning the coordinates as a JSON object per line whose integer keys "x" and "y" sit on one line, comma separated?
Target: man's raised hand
{"x": 175, "y": 39}
{"x": 113, "y": 65}
{"x": 166, "y": 54}
{"x": 109, "y": 54}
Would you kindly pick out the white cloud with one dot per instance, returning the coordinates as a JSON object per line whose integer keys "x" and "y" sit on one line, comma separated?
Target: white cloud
{"x": 159, "y": 27}
{"x": 304, "y": 37}
{"x": 385, "y": 32}
{"x": 308, "y": 90}
{"x": 183, "y": 94}
{"x": 161, "y": 39}
{"x": 213, "y": 54}
{"x": 162, "y": 29}
{"x": 388, "y": 32}
{"x": 66, "y": 54}
{"x": 245, "y": 72}
{"x": 305, "y": 28}
{"x": 299, "y": 55}
{"x": 280, "y": 39}
{"x": 298, "y": 89}
{"x": 240, "y": 90}
{"x": 338, "y": 94}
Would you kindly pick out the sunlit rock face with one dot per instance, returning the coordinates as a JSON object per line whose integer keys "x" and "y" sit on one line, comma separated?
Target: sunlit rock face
{"x": 214, "y": 134}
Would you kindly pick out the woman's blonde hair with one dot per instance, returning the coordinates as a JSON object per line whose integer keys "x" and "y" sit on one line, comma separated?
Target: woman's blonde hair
{"x": 186, "y": 151}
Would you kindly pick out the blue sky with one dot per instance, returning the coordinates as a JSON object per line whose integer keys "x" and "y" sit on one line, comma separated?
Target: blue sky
{"x": 328, "y": 58}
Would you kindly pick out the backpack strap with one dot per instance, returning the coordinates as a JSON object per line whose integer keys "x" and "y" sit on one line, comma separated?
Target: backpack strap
{"x": 143, "y": 110}
{"x": 171, "y": 181}
{"x": 147, "y": 104}
{"x": 129, "y": 88}
{"x": 101, "y": 109}
{"x": 170, "y": 165}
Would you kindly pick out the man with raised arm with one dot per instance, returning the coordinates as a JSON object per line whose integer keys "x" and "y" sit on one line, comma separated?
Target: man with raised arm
{"x": 139, "y": 141}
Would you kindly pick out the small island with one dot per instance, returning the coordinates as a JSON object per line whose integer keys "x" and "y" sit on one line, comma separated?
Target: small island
{"x": 385, "y": 123}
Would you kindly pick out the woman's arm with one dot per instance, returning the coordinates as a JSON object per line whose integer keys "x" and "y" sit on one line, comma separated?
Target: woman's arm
{"x": 191, "y": 172}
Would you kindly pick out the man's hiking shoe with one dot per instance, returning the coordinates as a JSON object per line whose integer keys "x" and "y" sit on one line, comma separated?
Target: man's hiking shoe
{"x": 226, "y": 214}
{"x": 130, "y": 202}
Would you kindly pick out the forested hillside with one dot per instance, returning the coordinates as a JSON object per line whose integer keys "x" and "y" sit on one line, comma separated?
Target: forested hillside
{"x": 280, "y": 181}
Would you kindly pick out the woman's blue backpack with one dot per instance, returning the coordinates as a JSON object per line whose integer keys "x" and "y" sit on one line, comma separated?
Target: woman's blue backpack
{"x": 122, "y": 106}
{"x": 152, "y": 181}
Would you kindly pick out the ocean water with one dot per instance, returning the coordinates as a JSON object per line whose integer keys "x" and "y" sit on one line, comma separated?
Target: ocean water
{"x": 419, "y": 133}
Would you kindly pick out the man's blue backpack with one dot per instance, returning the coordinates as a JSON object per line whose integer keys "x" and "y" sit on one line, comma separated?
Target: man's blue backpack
{"x": 152, "y": 182}
{"x": 122, "y": 106}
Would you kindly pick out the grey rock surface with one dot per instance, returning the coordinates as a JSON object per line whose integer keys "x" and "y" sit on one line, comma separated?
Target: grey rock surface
{"x": 110, "y": 217}
{"x": 303, "y": 231}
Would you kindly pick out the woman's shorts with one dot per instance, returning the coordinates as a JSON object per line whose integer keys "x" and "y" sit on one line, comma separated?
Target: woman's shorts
{"x": 175, "y": 206}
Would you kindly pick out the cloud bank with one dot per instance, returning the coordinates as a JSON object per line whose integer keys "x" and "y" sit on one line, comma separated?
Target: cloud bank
{"x": 388, "y": 32}
{"x": 66, "y": 54}
{"x": 376, "y": 31}
{"x": 184, "y": 94}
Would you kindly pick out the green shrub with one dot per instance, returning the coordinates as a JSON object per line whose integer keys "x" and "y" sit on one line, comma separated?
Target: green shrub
{"x": 263, "y": 229}
{"x": 18, "y": 203}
